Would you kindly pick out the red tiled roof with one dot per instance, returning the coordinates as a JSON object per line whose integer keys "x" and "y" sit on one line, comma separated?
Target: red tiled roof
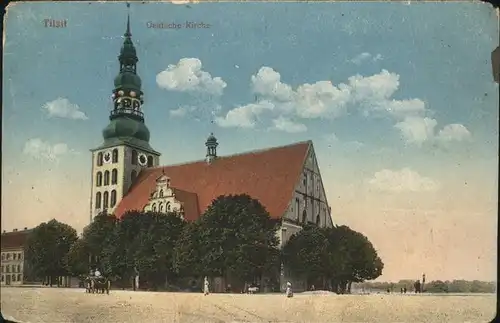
{"x": 15, "y": 239}
{"x": 268, "y": 175}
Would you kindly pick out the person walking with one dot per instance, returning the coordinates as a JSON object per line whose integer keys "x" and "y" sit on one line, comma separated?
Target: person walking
{"x": 206, "y": 286}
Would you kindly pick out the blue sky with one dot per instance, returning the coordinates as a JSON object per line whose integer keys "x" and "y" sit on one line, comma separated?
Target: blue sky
{"x": 388, "y": 92}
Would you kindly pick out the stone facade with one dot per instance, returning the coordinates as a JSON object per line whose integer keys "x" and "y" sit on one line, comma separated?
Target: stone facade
{"x": 113, "y": 177}
{"x": 12, "y": 266}
{"x": 163, "y": 198}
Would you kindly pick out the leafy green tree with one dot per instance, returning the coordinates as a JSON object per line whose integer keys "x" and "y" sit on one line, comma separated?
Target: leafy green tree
{"x": 436, "y": 286}
{"x": 118, "y": 250}
{"x": 359, "y": 260}
{"x": 142, "y": 243}
{"x": 46, "y": 249}
{"x": 96, "y": 235}
{"x": 339, "y": 255}
{"x": 188, "y": 251}
{"x": 154, "y": 253}
{"x": 77, "y": 258}
{"x": 307, "y": 254}
{"x": 236, "y": 239}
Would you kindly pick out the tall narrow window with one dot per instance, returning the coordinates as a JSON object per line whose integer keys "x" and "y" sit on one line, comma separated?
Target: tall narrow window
{"x": 115, "y": 155}
{"x": 106, "y": 178}
{"x": 304, "y": 216}
{"x": 98, "y": 180}
{"x": 99, "y": 159}
{"x": 168, "y": 207}
{"x": 297, "y": 208}
{"x": 134, "y": 157}
{"x": 133, "y": 175}
{"x": 154, "y": 207}
{"x": 114, "y": 176}
{"x": 113, "y": 198}
{"x": 105, "y": 200}
{"x": 318, "y": 219}
{"x": 161, "y": 193}
{"x": 161, "y": 208}
{"x": 98, "y": 200}
{"x": 150, "y": 161}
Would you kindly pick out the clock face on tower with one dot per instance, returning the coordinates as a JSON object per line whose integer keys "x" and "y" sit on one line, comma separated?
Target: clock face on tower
{"x": 107, "y": 157}
{"x": 143, "y": 160}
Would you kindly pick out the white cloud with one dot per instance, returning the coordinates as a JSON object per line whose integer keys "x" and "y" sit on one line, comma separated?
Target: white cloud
{"x": 244, "y": 116}
{"x": 404, "y": 180}
{"x": 323, "y": 99}
{"x": 416, "y": 129}
{"x": 454, "y": 132}
{"x": 267, "y": 82}
{"x": 188, "y": 76}
{"x": 287, "y": 125}
{"x": 62, "y": 108}
{"x": 374, "y": 89}
{"x": 40, "y": 149}
{"x": 181, "y": 111}
{"x": 364, "y": 57}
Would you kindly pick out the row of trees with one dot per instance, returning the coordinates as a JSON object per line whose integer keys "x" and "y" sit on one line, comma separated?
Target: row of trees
{"x": 235, "y": 239}
{"x": 435, "y": 286}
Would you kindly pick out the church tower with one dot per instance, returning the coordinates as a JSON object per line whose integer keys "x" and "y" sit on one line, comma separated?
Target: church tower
{"x": 125, "y": 150}
{"x": 211, "y": 145}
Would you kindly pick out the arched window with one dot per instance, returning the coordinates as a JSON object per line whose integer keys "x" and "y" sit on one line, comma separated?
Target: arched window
{"x": 161, "y": 193}
{"x": 150, "y": 161}
{"x": 318, "y": 219}
{"x": 160, "y": 208}
{"x": 98, "y": 200}
{"x": 115, "y": 155}
{"x": 114, "y": 176}
{"x": 99, "y": 159}
{"x": 98, "y": 179}
{"x": 154, "y": 207}
{"x": 133, "y": 175}
{"x": 113, "y": 198}
{"x": 134, "y": 157}
{"x": 106, "y": 178}
{"x": 168, "y": 207}
{"x": 304, "y": 216}
{"x": 105, "y": 200}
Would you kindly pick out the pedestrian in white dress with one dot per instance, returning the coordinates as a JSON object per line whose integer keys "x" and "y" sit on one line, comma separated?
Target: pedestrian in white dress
{"x": 289, "y": 292}
{"x": 206, "y": 286}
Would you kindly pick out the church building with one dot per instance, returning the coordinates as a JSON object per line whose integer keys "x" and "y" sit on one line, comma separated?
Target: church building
{"x": 126, "y": 171}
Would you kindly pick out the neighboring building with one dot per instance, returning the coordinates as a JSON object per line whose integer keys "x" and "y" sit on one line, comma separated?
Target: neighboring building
{"x": 13, "y": 261}
{"x": 126, "y": 174}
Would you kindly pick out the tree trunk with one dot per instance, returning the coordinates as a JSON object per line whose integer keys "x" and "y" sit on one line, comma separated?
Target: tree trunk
{"x": 349, "y": 284}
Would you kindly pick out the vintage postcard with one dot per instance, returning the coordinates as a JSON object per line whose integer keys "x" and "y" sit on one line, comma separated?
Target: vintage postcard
{"x": 249, "y": 162}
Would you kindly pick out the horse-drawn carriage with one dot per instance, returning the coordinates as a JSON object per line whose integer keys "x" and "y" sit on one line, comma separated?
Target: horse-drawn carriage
{"x": 97, "y": 285}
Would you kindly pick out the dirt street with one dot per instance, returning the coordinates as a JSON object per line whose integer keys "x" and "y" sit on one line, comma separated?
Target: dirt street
{"x": 73, "y": 305}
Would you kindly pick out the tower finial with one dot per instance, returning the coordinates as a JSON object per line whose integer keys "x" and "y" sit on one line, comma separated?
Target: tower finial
{"x": 127, "y": 33}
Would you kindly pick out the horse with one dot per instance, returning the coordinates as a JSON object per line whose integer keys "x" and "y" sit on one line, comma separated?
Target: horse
{"x": 98, "y": 285}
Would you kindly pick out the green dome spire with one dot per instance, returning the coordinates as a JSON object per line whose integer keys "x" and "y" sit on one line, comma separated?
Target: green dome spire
{"x": 126, "y": 117}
